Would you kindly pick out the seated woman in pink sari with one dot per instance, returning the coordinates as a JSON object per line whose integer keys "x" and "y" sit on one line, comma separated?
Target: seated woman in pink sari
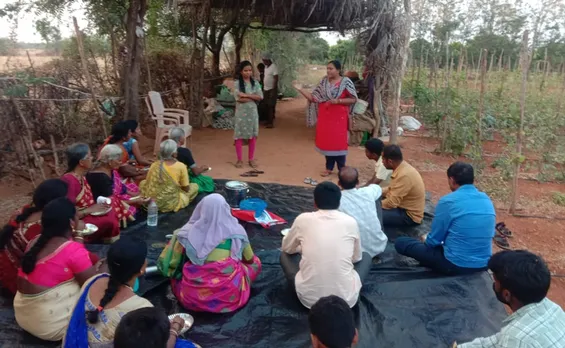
{"x": 102, "y": 216}
{"x": 105, "y": 181}
{"x": 221, "y": 265}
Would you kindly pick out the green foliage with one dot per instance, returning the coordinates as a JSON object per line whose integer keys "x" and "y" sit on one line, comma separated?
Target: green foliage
{"x": 286, "y": 51}
{"x": 317, "y": 49}
{"x": 98, "y": 45}
{"x": 347, "y": 52}
{"x": 558, "y": 198}
{"x": 6, "y": 46}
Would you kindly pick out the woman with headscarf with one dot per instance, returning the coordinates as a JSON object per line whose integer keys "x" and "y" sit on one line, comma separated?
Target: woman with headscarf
{"x": 23, "y": 228}
{"x": 221, "y": 265}
{"x": 52, "y": 271}
{"x": 329, "y": 108}
{"x": 79, "y": 160}
{"x": 167, "y": 182}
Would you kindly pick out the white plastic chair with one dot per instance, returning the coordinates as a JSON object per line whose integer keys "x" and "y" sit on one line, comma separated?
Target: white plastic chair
{"x": 166, "y": 119}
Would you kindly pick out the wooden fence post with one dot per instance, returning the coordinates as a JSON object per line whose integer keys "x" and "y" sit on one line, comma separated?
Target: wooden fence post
{"x": 88, "y": 77}
{"x": 525, "y": 64}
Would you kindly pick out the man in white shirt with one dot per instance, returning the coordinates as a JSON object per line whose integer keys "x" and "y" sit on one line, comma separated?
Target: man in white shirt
{"x": 270, "y": 89}
{"x": 359, "y": 203}
{"x": 374, "y": 150}
{"x": 328, "y": 258}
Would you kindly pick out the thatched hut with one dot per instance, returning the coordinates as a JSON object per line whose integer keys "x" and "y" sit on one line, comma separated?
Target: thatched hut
{"x": 383, "y": 28}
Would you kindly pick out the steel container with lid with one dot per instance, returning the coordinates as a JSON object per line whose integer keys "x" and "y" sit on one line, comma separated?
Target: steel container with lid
{"x": 236, "y": 191}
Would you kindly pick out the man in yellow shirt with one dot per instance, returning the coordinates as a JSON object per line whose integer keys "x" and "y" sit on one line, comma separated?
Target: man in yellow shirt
{"x": 405, "y": 198}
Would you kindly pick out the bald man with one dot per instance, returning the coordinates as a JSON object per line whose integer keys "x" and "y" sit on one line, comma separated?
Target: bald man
{"x": 363, "y": 204}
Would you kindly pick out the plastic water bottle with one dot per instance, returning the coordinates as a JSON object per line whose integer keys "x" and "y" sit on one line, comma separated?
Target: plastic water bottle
{"x": 152, "y": 214}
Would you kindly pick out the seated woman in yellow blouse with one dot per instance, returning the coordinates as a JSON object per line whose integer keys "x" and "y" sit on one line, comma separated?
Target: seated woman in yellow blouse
{"x": 168, "y": 182}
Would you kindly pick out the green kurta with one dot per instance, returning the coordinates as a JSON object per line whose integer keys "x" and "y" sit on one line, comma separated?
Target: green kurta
{"x": 246, "y": 114}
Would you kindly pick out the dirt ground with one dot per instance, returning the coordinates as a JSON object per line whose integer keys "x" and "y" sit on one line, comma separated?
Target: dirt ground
{"x": 286, "y": 154}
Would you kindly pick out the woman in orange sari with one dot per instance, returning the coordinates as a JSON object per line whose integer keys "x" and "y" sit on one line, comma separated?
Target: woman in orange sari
{"x": 329, "y": 109}
{"x": 22, "y": 228}
{"x": 102, "y": 216}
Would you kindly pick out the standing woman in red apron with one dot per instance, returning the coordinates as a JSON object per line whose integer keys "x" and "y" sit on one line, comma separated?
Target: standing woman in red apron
{"x": 329, "y": 108}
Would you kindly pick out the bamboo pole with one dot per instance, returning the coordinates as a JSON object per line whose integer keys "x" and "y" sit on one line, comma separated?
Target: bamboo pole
{"x": 544, "y": 72}
{"x": 559, "y": 100}
{"x": 525, "y": 63}
{"x": 477, "y": 71}
{"x": 482, "y": 98}
{"x": 88, "y": 77}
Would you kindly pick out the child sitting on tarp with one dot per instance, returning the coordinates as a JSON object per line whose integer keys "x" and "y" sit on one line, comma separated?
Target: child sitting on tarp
{"x": 205, "y": 183}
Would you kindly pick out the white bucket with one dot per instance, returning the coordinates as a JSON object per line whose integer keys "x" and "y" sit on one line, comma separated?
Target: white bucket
{"x": 360, "y": 107}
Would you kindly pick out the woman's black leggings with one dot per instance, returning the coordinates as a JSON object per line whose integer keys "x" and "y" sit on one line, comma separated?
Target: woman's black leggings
{"x": 332, "y": 160}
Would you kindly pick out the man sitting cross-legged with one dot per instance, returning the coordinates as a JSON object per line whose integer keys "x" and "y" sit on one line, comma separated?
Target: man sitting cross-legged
{"x": 405, "y": 197}
{"x": 331, "y": 261}
{"x": 362, "y": 204}
{"x": 460, "y": 241}
{"x": 521, "y": 281}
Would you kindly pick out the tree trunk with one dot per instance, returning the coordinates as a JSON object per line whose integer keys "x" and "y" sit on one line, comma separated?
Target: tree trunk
{"x": 216, "y": 53}
{"x": 238, "y": 36}
{"x": 500, "y": 60}
{"x": 544, "y": 72}
{"x": 401, "y": 61}
{"x": 132, "y": 65}
{"x": 525, "y": 63}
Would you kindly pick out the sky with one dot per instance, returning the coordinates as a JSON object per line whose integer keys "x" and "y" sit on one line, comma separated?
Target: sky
{"x": 27, "y": 33}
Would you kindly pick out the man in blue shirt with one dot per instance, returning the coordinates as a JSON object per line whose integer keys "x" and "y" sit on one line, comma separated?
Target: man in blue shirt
{"x": 460, "y": 241}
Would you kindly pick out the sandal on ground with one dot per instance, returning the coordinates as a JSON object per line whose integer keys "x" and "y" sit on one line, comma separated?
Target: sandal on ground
{"x": 248, "y": 174}
{"x": 313, "y": 182}
{"x": 238, "y": 164}
{"x": 325, "y": 173}
{"x": 255, "y": 171}
{"x": 503, "y": 230}
{"x": 308, "y": 180}
{"x": 501, "y": 242}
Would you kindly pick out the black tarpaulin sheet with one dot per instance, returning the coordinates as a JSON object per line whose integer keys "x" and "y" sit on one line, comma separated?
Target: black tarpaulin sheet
{"x": 401, "y": 305}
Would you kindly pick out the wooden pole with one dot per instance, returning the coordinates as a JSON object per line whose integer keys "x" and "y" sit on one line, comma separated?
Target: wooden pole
{"x": 88, "y": 77}
{"x": 401, "y": 64}
{"x": 544, "y": 72}
{"x": 482, "y": 98}
{"x": 28, "y": 140}
{"x": 479, "y": 67}
{"x": 559, "y": 100}
{"x": 525, "y": 64}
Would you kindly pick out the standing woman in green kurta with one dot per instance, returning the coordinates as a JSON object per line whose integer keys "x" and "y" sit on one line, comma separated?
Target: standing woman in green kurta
{"x": 247, "y": 93}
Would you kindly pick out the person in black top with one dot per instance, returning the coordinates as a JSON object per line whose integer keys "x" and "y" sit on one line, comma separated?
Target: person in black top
{"x": 205, "y": 183}
{"x": 184, "y": 155}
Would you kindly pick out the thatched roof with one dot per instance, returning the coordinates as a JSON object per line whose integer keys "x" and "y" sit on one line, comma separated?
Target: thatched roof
{"x": 338, "y": 15}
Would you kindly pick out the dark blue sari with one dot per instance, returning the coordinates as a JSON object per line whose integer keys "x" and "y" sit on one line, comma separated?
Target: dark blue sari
{"x": 77, "y": 332}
